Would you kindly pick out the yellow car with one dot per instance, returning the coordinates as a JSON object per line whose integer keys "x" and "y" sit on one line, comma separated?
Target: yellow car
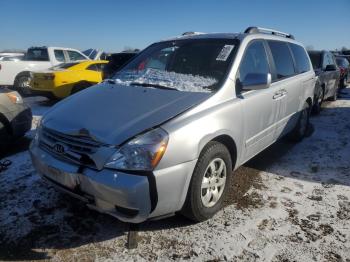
{"x": 66, "y": 79}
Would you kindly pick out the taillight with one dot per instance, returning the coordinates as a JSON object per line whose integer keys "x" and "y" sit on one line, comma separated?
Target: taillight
{"x": 49, "y": 77}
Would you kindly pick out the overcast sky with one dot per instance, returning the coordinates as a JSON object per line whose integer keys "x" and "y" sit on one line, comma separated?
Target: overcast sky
{"x": 114, "y": 25}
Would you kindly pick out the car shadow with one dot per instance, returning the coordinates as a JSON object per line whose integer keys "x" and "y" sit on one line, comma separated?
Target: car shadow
{"x": 57, "y": 221}
{"x": 18, "y": 146}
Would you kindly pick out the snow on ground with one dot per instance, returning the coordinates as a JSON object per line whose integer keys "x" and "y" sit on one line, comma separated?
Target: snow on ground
{"x": 290, "y": 203}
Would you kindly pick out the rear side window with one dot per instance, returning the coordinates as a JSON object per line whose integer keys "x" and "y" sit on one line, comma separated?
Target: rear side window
{"x": 327, "y": 60}
{"x": 342, "y": 62}
{"x": 301, "y": 58}
{"x": 95, "y": 67}
{"x": 283, "y": 59}
{"x": 254, "y": 61}
{"x": 59, "y": 55}
{"x": 315, "y": 59}
{"x": 75, "y": 56}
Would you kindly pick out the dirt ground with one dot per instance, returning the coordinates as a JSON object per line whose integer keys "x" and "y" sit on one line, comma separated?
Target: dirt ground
{"x": 289, "y": 203}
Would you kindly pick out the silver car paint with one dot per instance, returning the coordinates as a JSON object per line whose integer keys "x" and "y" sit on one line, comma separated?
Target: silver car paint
{"x": 253, "y": 121}
{"x": 125, "y": 112}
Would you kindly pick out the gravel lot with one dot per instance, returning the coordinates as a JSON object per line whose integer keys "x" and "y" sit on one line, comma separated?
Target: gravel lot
{"x": 290, "y": 203}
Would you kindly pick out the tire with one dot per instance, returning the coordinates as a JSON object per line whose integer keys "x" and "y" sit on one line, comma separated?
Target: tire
{"x": 80, "y": 86}
{"x": 342, "y": 83}
{"x": 346, "y": 80}
{"x": 200, "y": 203}
{"x": 4, "y": 136}
{"x": 22, "y": 83}
{"x": 302, "y": 126}
{"x": 317, "y": 107}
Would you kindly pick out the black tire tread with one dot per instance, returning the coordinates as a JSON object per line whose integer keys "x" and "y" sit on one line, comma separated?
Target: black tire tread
{"x": 190, "y": 209}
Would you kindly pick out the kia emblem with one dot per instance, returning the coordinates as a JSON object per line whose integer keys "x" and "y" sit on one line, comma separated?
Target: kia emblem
{"x": 58, "y": 148}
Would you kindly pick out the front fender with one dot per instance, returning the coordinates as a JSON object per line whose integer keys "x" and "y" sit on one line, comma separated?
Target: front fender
{"x": 190, "y": 132}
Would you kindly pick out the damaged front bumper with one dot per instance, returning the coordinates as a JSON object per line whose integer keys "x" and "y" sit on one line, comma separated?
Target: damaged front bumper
{"x": 128, "y": 197}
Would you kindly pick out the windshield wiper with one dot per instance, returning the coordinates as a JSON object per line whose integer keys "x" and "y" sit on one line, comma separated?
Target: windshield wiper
{"x": 153, "y": 85}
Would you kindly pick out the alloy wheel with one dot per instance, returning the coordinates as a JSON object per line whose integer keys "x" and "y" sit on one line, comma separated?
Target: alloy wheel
{"x": 213, "y": 182}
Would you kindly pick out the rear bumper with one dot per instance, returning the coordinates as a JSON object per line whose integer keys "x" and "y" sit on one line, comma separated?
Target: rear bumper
{"x": 47, "y": 94}
{"x": 51, "y": 89}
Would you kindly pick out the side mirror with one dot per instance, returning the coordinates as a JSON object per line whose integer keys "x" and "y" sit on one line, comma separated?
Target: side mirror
{"x": 256, "y": 81}
{"x": 331, "y": 68}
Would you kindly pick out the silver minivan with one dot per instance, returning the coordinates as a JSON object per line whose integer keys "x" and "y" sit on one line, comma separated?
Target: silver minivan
{"x": 165, "y": 134}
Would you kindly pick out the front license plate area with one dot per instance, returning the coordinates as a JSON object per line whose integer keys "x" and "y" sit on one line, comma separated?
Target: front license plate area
{"x": 54, "y": 171}
{"x": 69, "y": 180}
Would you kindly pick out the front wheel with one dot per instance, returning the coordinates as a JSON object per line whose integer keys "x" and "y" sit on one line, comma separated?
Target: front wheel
{"x": 4, "y": 136}
{"x": 335, "y": 95}
{"x": 209, "y": 183}
{"x": 300, "y": 130}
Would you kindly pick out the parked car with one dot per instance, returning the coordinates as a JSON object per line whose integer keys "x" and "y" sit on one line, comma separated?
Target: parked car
{"x": 116, "y": 62}
{"x": 347, "y": 57}
{"x": 18, "y": 73}
{"x": 165, "y": 134}
{"x": 67, "y": 78}
{"x": 11, "y": 56}
{"x": 344, "y": 67}
{"x": 328, "y": 77}
{"x": 15, "y": 116}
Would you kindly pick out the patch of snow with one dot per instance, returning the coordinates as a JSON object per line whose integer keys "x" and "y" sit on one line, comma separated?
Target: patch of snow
{"x": 181, "y": 82}
{"x": 293, "y": 205}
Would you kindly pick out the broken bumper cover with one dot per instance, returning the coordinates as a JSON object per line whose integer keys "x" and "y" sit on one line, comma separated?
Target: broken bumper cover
{"x": 127, "y": 197}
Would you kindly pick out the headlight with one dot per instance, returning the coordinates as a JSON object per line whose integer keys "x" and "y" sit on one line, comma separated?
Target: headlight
{"x": 141, "y": 153}
{"x": 15, "y": 97}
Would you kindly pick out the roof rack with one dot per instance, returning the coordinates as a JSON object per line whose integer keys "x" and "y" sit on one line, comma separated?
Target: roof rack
{"x": 255, "y": 30}
{"x": 192, "y": 33}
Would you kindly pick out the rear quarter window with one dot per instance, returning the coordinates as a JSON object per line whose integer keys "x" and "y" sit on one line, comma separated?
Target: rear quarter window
{"x": 282, "y": 58}
{"x": 59, "y": 55}
{"x": 301, "y": 58}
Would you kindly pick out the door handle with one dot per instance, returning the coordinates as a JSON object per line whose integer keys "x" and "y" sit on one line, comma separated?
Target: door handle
{"x": 277, "y": 95}
{"x": 284, "y": 91}
{"x": 280, "y": 93}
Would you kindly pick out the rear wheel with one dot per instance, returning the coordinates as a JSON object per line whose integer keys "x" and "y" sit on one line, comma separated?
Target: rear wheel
{"x": 317, "y": 107}
{"x": 22, "y": 83}
{"x": 300, "y": 130}
{"x": 209, "y": 183}
{"x": 80, "y": 86}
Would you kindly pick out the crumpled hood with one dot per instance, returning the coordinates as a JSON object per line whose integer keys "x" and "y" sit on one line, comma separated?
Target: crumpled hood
{"x": 113, "y": 113}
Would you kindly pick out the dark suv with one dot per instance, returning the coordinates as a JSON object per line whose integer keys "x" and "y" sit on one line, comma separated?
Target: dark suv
{"x": 328, "y": 75}
{"x": 116, "y": 62}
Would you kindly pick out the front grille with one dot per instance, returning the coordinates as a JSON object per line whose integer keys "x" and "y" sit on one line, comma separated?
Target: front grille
{"x": 77, "y": 149}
